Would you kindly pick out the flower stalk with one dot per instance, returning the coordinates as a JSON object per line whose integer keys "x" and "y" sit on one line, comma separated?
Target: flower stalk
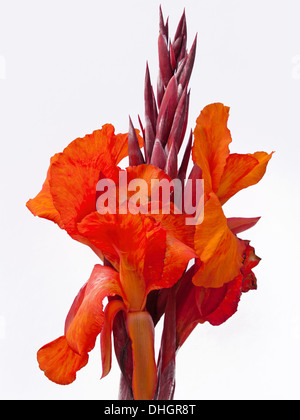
{"x": 166, "y": 119}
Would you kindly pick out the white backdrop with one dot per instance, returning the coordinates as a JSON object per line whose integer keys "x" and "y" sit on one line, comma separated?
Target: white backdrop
{"x": 68, "y": 67}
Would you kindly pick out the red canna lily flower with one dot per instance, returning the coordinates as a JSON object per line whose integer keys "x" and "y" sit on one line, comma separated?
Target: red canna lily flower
{"x": 144, "y": 255}
{"x": 155, "y": 263}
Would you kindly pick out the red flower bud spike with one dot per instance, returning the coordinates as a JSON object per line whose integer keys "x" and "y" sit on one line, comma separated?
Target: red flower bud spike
{"x": 162, "y": 129}
{"x": 167, "y": 111}
{"x": 142, "y": 127}
{"x": 186, "y": 115}
{"x": 134, "y": 151}
{"x": 150, "y": 105}
{"x": 150, "y": 115}
{"x": 183, "y": 51}
{"x": 160, "y": 90}
{"x": 180, "y": 68}
{"x": 158, "y": 157}
{"x": 164, "y": 60}
{"x": 185, "y": 160}
{"x": 149, "y": 141}
{"x": 172, "y": 59}
{"x": 196, "y": 172}
{"x": 188, "y": 67}
{"x": 179, "y": 42}
{"x": 180, "y": 121}
{"x": 171, "y": 163}
{"x": 163, "y": 28}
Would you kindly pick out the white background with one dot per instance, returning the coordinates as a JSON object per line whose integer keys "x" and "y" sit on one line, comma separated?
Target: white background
{"x": 67, "y": 68}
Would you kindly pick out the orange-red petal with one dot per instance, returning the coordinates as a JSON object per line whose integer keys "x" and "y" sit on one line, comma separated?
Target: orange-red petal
{"x": 122, "y": 238}
{"x": 240, "y": 224}
{"x": 59, "y": 362}
{"x": 63, "y": 357}
{"x": 69, "y": 192}
{"x": 75, "y": 174}
{"x": 251, "y": 261}
{"x": 87, "y": 321}
{"x": 220, "y": 251}
{"x": 176, "y": 261}
{"x": 146, "y": 256}
{"x": 170, "y": 243}
{"x": 175, "y": 225}
{"x": 241, "y": 171}
{"x": 216, "y": 305}
{"x": 42, "y": 205}
{"x": 210, "y": 150}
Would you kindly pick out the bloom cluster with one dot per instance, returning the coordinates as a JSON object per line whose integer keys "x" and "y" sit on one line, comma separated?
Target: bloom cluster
{"x": 165, "y": 247}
